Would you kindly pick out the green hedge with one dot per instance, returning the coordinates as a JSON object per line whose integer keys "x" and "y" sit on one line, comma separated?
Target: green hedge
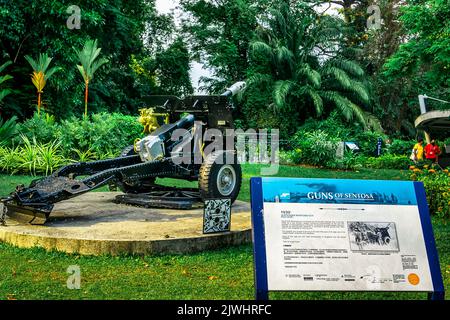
{"x": 100, "y": 135}
{"x": 437, "y": 186}
{"x": 386, "y": 161}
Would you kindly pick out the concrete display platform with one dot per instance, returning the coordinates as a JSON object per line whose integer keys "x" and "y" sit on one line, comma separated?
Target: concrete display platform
{"x": 92, "y": 224}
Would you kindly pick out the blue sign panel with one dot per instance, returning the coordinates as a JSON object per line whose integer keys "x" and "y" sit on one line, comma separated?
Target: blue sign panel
{"x": 342, "y": 235}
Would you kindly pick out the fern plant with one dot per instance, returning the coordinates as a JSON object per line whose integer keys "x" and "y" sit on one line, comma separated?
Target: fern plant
{"x": 41, "y": 74}
{"x": 89, "y": 65}
{"x": 298, "y": 53}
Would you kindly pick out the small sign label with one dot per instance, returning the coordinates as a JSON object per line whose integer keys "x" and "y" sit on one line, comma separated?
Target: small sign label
{"x": 217, "y": 215}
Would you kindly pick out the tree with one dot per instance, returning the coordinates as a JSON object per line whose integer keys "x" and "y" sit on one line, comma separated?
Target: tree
{"x": 40, "y": 74}
{"x": 299, "y": 56}
{"x": 30, "y": 27}
{"x": 172, "y": 69}
{"x": 89, "y": 65}
{"x": 426, "y": 54}
{"x": 219, "y": 33}
{"x": 419, "y": 63}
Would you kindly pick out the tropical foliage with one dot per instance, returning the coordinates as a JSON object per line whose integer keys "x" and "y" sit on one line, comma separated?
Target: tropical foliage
{"x": 32, "y": 157}
{"x": 437, "y": 186}
{"x": 41, "y": 74}
{"x": 298, "y": 55}
{"x": 302, "y": 59}
{"x": 8, "y": 130}
{"x": 220, "y": 32}
{"x": 4, "y": 92}
{"x": 90, "y": 62}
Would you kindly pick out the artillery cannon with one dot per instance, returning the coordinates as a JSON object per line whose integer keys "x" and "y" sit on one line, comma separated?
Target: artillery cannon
{"x": 157, "y": 155}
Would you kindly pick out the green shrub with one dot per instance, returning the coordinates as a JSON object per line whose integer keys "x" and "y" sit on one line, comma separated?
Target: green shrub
{"x": 31, "y": 157}
{"x": 437, "y": 187}
{"x": 400, "y": 147}
{"x": 333, "y": 126}
{"x": 350, "y": 161}
{"x": 367, "y": 142}
{"x": 316, "y": 148}
{"x": 386, "y": 161}
{"x": 42, "y": 127}
{"x": 104, "y": 135}
{"x": 290, "y": 156}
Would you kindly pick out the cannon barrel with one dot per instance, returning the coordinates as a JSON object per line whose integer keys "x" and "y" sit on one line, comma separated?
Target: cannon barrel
{"x": 234, "y": 89}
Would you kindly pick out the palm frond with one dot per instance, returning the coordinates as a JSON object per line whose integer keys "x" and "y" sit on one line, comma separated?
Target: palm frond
{"x": 261, "y": 48}
{"x": 97, "y": 64}
{"x": 259, "y": 79}
{"x": 277, "y": 21}
{"x": 349, "y": 66}
{"x": 44, "y": 62}
{"x": 5, "y": 78}
{"x": 348, "y": 109}
{"x": 313, "y": 76}
{"x": 88, "y": 59}
{"x": 6, "y": 64}
{"x": 4, "y": 93}
{"x": 340, "y": 75}
{"x": 52, "y": 71}
{"x": 32, "y": 62}
{"x": 38, "y": 80}
{"x": 360, "y": 90}
{"x": 281, "y": 90}
{"x": 317, "y": 100}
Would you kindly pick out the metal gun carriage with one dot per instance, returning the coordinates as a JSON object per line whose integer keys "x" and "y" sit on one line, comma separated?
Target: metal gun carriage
{"x": 156, "y": 156}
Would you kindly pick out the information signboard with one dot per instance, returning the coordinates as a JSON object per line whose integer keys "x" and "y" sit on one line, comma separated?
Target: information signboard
{"x": 342, "y": 235}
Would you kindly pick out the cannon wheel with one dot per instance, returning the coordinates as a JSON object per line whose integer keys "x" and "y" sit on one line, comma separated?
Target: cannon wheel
{"x": 143, "y": 186}
{"x": 220, "y": 180}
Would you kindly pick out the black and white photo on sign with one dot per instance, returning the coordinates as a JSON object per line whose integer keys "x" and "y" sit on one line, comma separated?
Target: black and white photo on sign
{"x": 372, "y": 236}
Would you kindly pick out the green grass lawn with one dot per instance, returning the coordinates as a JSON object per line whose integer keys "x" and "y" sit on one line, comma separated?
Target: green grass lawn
{"x": 221, "y": 274}
{"x": 8, "y": 183}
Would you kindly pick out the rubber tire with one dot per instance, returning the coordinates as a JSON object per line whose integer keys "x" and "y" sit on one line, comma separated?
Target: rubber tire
{"x": 207, "y": 180}
{"x": 129, "y": 151}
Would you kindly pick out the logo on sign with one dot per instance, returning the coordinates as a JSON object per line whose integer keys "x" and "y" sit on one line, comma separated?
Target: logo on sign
{"x": 339, "y": 196}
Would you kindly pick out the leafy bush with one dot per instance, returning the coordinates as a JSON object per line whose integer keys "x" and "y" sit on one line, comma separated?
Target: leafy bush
{"x": 437, "y": 187}
{"x": 316, "y": 148}
{"x": 290, "y": 157}
{"x": 333, "y": 126}
{"x": 41, "y": 127}
{"x": 350, "y": 161}
{"x": 7, "y": 130}
{"x": 400, "y": 147}
{"x": 386, "y": 161}
{"x": 367, "y": 142}
{"x": 104, "y": 134}
{"x": 32, "y": 157}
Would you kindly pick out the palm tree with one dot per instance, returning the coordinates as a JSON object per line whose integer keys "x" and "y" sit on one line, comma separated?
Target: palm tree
{"x": 89, "y": 65}
{"x": 4, "y": 92}
{"x": 40, "y": 74}
{"x": 298, "y": 54}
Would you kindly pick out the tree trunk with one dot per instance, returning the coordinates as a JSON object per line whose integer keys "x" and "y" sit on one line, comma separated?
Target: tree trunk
{"x": 86, "y": 94}
{"x": 39, "y": 103}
